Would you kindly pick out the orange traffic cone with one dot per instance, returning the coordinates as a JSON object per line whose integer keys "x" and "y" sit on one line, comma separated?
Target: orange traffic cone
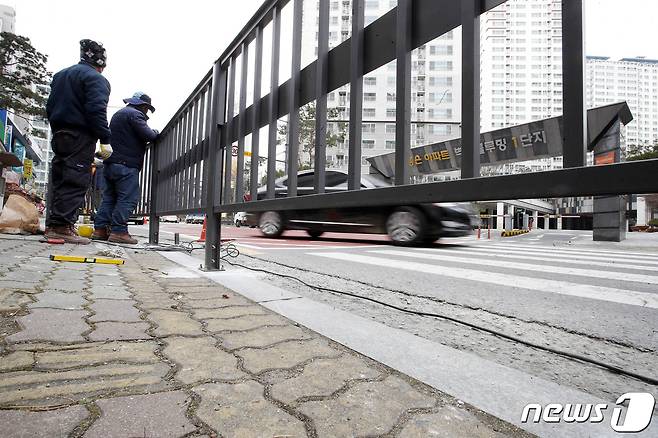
{"x": 203, "y": 232}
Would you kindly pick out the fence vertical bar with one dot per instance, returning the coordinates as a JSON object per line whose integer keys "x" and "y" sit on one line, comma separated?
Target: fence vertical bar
{"x": 187, "y": 163}
{"x": 321, "y": 88}
{"x": 199, "y": 153}
{"x": 242, "y": 124}
{"x": 293, "y": 101}
{"x": 191, "y": 201}
{"x": 573, "y": 79}
{"x": 256, "y": 116}
{"x": 403, "y": 92}
{"x": 154, "y": 221}
{"x": 228, "y": 135}
{"x": 274, "y": 102}
{"x": 356, "y": 96}
{"x": 213, "y": 221}
{"x": 470, "y": 15}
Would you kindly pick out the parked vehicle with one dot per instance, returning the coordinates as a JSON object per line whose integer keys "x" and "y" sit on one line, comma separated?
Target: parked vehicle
{"x": 194, "y": 218}
{"x": 406, "y": 225}
{"x": 240, "y": 219}
{"x": 137, "y": 220}
{"x": 169, "y": 219}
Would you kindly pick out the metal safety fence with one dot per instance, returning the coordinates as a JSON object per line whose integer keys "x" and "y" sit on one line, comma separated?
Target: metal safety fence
{"x": 201, "y": 162}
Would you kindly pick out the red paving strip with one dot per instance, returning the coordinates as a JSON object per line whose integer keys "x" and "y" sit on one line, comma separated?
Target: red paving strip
{"x": 290, "y": 239}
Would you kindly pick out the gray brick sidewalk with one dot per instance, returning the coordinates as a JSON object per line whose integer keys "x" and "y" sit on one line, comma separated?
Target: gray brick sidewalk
{"x": 127, "y": 351}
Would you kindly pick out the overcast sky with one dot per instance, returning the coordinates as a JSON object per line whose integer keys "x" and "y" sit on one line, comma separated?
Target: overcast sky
{"x": 164, "y": 47}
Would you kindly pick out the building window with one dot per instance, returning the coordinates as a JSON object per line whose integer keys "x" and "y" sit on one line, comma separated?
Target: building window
{"x": 368, "y": 144}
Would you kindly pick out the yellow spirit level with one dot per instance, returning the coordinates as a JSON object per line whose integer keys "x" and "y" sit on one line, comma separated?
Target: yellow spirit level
{"x": 78, "y": 259}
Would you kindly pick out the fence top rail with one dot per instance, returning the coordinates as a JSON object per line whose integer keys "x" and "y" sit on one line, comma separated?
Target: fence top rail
{"x": 207, "y": 79}
{"x": 260, "y": 18}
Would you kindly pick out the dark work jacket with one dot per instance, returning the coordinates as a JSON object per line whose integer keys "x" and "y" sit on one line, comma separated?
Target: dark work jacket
{"x": 78, "y": 100}
{"x": 130, "y": 134}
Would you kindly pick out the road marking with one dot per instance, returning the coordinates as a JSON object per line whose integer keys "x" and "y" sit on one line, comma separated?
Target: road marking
{"x": 517, "y": 254}
{"x": 608, "y": 275}
{"x": 583, "y": 251}
{"x": 600, "y": 293}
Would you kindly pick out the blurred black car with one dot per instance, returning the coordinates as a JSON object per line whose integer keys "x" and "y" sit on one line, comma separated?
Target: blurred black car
{"x": 406, "y": 225}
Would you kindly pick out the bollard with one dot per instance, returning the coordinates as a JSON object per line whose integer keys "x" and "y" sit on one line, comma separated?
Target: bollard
{"x": 176, "y": 238}
{"x": 489, "y": 232}
{"x": 479, "y": 232}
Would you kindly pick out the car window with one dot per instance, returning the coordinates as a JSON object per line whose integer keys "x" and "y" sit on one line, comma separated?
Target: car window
{"x": 334, "y": 179}
{"x": 305, "y": 180}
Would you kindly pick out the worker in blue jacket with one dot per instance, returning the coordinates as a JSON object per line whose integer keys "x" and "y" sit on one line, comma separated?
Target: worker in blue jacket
{"x": 130, "y": 136}
{"x": 77, "y": 112}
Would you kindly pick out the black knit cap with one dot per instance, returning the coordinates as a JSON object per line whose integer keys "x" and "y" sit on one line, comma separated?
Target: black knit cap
{"x": 93, "y": 53}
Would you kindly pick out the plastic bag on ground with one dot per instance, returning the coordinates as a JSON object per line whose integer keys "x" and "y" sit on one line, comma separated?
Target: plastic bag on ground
{"x": 19, "y": 216}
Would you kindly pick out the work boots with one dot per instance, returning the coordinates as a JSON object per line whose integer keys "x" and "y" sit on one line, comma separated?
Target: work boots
{"x": 122, "y": 238}
{"x": 67, "y": 234}
{"x": 100, "y": 234}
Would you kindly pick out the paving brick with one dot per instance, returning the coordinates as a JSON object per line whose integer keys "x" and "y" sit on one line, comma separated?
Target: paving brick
{"x": 110, "y": 292}
{"x": 30, "y": 288}
{"x": 114, "y": 310}
{"x": 59, "y": 300}
{"x": 98, "y": 353}
{"x": 66, "y": 285}
{"x": 264, "y": 336}
{"x": 22, "y": 277}
{"x": 209, "y": 294}
{"x": 52, "y": 424}
{"x": 370, "y": 408}
{"x": 16, "y": 360}
{"x": 239, "y": 410}
{"x": 119, "y": 331}
{"x": 229, "y": 312}
{"x": 323, "y": 377}
{"x": 185, "y": 283}
{"x": 200, "y": 360}
{"x": 286, "y": 355}
{"x": 10, "y": 300}
{"x": 153, "y": 302}
{"x": 151, "y": 415}
{"x": 36, "y": 388}
{"x": 61, "y": 275}
{"x": 196, "y": 301}
{"x": 171, "y": 322}
{"x": 448, "y": 422}
{"x": 51, "y": 325}
{"x": 244, "y": 323}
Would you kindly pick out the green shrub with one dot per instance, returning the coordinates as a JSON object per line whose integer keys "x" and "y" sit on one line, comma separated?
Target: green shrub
{"x": 653, "y": 222}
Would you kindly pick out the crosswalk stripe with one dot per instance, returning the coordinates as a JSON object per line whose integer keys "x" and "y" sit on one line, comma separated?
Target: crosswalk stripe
{"x": 608, "y": 275}
{"x": 601, "y": 293}
{"x": 516, "y": 254}
{"x": 591, "y": 256}
{"x": 630, "y": 255}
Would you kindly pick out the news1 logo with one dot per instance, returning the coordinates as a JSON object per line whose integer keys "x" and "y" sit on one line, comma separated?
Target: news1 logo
{"x": 638, "y": 413}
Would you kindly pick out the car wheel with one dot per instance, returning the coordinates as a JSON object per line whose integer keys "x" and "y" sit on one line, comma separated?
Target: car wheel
{"x": 139, "y": 222}
{"x": 237, "y": 224}
{"x": 271, "y": 224}
{"x": 406, "y": 226}
{"x": 314, "y": 233}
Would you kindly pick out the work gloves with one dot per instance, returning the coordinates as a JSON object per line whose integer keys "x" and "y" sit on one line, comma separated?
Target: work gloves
{"x": 104, "y": 152}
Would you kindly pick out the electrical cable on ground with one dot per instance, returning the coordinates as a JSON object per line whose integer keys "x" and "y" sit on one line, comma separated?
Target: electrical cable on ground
{"x": 573, "y": 356}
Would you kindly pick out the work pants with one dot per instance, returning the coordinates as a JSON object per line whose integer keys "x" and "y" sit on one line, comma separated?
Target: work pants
{"x": 120, "y": 197}
{"x": 71, "y": 175}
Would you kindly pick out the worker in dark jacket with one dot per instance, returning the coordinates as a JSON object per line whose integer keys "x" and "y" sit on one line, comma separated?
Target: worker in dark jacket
{"x": 77, "y": 112}
{"x": 130, "y": 135}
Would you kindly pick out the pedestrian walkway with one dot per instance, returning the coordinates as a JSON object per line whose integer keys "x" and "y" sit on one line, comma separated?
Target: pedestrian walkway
{"x": 143, "y": 350}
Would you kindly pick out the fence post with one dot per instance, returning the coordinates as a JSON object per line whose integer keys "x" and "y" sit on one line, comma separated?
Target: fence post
{"x": 154, "y": 221}
{"x": 211, "y": 179}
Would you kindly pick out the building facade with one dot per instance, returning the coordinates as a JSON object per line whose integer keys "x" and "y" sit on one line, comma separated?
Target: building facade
{"x": 634, "y": 80}
{"x": 7, "y": 19}
{"x": 436, "y": 85}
